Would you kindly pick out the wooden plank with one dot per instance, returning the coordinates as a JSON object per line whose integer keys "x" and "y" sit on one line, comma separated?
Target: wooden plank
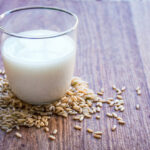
{"x": 113, "y": 44}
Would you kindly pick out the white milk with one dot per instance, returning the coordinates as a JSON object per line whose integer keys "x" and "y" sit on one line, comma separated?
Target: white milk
{"x": 39, "y": 70}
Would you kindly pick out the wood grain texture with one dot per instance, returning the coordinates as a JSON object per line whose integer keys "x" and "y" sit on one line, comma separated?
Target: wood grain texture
{"x": 113, "y": 48}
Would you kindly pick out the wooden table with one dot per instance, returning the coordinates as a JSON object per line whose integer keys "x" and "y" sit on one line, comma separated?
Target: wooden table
{"x": 113, "y": 48}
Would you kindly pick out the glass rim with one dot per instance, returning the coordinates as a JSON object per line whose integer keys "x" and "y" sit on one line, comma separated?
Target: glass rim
{"x": 3, "y": 15}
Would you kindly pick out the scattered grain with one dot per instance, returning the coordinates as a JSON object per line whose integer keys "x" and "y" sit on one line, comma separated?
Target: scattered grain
{"x": 98, "y": 132}
{"x": 99, "y": 104}
{"x": 100, "y": 93}
{"x": 137, "y": 106}
{"x": 121, "y": 102}
{"x": 77, "y": 127}
{"x": 111, "y": 104}
{"x": 8, "y": 130}
{"x": 110, "y": 99}
{"x": 97, "y": 136}
{"x": 121, "y": 122}
{"x": 138, "y": 88}
{"x": 116, "y": 108}
{"x": 114, "y": 87}
{"x": 139, "y": 92}
{"x": 102, "y": 90}
{"x": 109, "y": 115}
{"x": 55, "y": 131}
{"x": 52, "y": 137}
{"x": 77, "y": 100}
{"x": 118, "y": 91}
{"x": 89, "y": 130}
{"x": 119, "y": 97}
{"x": 114, "y": 128}
{"x": 98, "y": 109}
{"x": 81, "y": 118}
{"x": 114, "y": 115}
{"x": 103, "y": 101}
{"x": 97, "y": 117}
{"x": 46, "y": 129}
{"x": 122, "y": 109}
{"x": 87, "y": 115}
{"x": 123, "y": 88}
{"x": 119, "y": 118}
{"x": 76, "y": 117}
{"x": 18, "y": 135}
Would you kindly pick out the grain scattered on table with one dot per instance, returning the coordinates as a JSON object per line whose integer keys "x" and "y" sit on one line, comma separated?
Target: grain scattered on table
{"x": 98, "y": 132}
{"x": 137, "y": 106}
{"x": 114, "y": 128}
{"x": 51, "y": 137}
{"x": 19, "y": 135}
{"x": 77, "y": 127}
{"x": 97, "y": 117}
{"x": 55, "y": 131}
{"x": 97, "y": 136}
{"x": 89, "y": 130}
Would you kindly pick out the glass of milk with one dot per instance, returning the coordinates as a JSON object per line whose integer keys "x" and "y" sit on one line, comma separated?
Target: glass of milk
{"x": 38, "y": 48}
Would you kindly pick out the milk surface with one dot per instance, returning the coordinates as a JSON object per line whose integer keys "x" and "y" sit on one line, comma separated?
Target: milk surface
{"x": 39, "y": 70}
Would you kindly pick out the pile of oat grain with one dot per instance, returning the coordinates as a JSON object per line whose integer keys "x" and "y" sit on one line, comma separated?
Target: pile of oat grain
{"x": 15, "y": 113}
{"x": 79, "y": 101}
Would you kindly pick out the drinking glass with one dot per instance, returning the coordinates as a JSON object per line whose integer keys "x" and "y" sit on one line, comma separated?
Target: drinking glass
{"x": 38, "y": 48}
